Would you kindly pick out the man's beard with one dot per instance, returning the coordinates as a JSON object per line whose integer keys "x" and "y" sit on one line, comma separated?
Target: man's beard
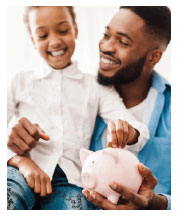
{"x": 125, "y": 75}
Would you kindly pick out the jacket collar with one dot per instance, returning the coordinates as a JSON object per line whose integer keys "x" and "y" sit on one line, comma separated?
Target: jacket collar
{"x": 158, "y": 82}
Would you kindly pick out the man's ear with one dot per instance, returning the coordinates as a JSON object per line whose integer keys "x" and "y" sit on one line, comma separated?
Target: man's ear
{"x": 154, "y": 56}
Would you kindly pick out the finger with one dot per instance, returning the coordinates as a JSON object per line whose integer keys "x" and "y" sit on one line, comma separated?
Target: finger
{"x": 42, "y": 133}
{"x": 98, "y": 200}
{"x": 15, "y": 149}
{"x": 31, "y": 182}
{"x": 30, "y": 128}
{"x": 112, "y": 134}
{"x": 48, "y": 185}
{"x": 104, "y": 203}
{"x": 147, "y": 174}
{"x": 24, "y": 134}
{"x": 37, "y": 188}
{"x": 129, "y": 195}
{"x": 119, "y": 133}
{"x": 43, "y": 188}
{"x": 133, "y": 135}
{"x": 16, "y": 140}
{"x": 125, "y": 133}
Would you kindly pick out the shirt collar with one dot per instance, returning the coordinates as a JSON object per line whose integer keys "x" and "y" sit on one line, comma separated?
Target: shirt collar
{"x": 70, "y": 71}
{"x": 158, "y": 82}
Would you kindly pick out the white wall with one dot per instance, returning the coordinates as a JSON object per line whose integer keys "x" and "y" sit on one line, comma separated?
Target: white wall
{"x": 91, "y": 23}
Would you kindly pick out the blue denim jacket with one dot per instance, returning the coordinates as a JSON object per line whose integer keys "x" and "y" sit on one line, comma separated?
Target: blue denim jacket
{"x": 156, "y": 154}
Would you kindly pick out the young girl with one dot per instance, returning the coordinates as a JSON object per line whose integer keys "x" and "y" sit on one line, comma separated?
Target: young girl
{"x": 64, "y": 103}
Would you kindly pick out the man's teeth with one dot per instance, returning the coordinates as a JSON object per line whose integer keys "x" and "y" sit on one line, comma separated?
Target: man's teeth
{"x": 107, "y": 61}
{"x": 57, "y": 53}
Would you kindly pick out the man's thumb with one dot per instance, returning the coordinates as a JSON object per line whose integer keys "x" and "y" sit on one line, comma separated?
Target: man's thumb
{"x": 142, "y": 170}
{"x": 147, "y": 174}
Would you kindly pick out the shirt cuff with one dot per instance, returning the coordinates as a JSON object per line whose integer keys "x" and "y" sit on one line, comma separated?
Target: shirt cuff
{"x": 142, "y": 139}
{"x": 10, "y": 154}
{"x": 169, "y": 201}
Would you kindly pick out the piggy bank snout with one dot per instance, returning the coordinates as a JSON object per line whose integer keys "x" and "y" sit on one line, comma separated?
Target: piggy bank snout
{"x": 89, "y": 180}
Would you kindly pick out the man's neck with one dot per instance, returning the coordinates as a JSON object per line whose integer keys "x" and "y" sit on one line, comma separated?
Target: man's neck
{"x": 134, "y": 92}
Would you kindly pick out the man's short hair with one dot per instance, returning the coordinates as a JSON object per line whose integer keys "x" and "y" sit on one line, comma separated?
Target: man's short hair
{"x": 157, "y": 19}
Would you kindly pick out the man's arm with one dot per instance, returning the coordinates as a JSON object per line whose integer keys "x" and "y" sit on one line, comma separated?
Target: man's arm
{"x": 144, "y": 199}
{"x": 112, "y": 108}
{"x": 121, "y": 133}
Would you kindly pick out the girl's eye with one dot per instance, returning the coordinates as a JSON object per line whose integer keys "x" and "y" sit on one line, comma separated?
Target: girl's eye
{"x": 43, "y": 36}
{"x": 64, "y": 31}
{"x": 106, "y": 36}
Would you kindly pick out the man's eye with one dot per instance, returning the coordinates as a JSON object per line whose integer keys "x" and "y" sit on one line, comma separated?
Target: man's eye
{"x": 123, "y": 43}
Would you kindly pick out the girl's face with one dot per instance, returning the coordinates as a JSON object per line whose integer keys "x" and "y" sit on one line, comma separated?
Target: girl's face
{"x": 53, "y": 34}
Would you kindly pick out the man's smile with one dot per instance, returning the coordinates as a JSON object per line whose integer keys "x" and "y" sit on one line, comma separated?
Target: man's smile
{"x": 108, "y": 62}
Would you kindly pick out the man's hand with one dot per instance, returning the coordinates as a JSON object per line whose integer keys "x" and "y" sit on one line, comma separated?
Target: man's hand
{"x": 144, "y": 199}
{"x": 121, "y": 133}
{"x": 24, "y": 136}
{"x": 35, "y": 177}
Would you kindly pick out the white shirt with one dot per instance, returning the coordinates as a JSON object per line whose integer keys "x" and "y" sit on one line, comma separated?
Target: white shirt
{"x": 65, "y": 104}
{"x": 143, "y": 111}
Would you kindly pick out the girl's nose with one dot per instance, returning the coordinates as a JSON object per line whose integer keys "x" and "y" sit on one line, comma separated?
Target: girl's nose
{"x": 55, "y": 41}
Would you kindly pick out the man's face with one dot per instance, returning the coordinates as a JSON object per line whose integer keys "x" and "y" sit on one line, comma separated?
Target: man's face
{"x": 53, "y": 34}
{"x": 123, "y": 49}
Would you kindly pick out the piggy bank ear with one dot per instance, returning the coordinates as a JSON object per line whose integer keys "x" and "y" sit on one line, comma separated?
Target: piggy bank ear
{"x": 84, "y": 154}
{"x": 112, "y": 153}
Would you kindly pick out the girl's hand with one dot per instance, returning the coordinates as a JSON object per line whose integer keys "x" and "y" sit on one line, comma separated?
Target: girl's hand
{"x": 35, "y": 177}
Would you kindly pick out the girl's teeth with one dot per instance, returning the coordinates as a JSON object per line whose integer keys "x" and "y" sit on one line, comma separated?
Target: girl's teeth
{"x": 58, "y": 53}
{"x": 107, "y": 61}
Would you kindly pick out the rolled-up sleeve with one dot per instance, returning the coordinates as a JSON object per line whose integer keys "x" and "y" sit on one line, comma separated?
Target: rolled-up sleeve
{"x": 111, "y": 107}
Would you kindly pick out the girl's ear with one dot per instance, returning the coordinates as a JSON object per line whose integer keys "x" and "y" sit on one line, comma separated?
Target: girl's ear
{"x": 154, "y": 56}
{"x": 33, "y": 42}
{"x": 76, "y": 31}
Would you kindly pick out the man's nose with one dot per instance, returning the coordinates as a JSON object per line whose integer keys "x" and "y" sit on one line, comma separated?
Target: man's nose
{"x": 107, "y": 45}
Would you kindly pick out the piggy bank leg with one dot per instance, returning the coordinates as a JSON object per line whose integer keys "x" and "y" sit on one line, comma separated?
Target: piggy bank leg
{"x": 113, "y": 198}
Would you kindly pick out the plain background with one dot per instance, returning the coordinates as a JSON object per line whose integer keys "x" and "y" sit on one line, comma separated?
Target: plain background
{"x": 5, "y": 64}
{"x": 91, "y": 23}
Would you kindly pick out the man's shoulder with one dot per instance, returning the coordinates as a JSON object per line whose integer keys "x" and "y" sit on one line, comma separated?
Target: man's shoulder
{"x": 92, "y": 81}
{"x": 160, "y": 83}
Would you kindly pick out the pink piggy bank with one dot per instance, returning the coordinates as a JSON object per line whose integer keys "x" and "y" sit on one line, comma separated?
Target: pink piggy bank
{"x": 103, "y": 167}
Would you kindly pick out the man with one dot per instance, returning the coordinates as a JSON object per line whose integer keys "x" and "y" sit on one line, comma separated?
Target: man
{"x": 133, "y": 43}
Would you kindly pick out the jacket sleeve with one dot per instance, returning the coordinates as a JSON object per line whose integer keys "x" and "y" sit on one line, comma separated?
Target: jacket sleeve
{"x": 169, "y": 200}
